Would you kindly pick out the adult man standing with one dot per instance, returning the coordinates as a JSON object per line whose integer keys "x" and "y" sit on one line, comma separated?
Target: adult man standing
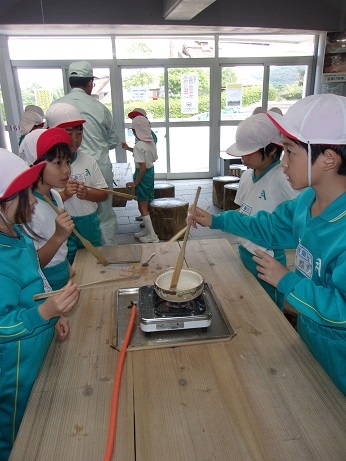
{"x": 99, "y": 137}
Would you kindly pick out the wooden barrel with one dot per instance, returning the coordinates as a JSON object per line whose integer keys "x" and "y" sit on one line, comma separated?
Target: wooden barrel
{"x": 218, "y": 183}
{"x": 163, "y": 190}
{"x": 229, "y": 193}
{"x": 168, "y": 216}
{"x": 236, "y": 170}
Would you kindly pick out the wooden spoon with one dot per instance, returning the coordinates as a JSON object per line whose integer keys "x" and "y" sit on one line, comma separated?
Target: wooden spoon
{"x": 181, "y": 256}
{"x": 88, "y": 245}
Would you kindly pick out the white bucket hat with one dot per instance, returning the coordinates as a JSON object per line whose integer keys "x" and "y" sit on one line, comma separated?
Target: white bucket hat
{"x": 27, "y": 150}
{"x": 63, "y": 115}
{"x": 142, "y": 126}
{"x": 252, "y": 134}
{"x": 317, "y": 119}
{"x": 28, "y": 120}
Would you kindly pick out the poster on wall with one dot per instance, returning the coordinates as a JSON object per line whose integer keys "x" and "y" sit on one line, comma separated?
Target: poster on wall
{"x": 189, "y": 93}
{"x": 334, "y": 66}
{"x": 234, "y": 96}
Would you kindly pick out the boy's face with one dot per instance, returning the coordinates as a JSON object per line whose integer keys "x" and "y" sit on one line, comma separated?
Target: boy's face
{"x": 295, "y": 164}
{"x": 76, "y": 133}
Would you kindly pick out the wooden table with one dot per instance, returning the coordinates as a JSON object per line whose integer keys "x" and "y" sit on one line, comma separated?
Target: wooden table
{"x": 259, "y": 396}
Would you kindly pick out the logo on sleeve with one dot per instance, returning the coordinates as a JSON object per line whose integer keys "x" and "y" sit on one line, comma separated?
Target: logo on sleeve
{"x": 304, "y": 261}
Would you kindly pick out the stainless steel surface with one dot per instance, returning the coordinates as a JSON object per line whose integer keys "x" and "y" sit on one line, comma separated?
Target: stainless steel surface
{"x": 219, "y": 330}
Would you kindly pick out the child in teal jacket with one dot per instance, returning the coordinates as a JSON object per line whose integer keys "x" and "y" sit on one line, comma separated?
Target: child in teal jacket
{"x": 26, "y": 326}
{"x": 314, "y": 138}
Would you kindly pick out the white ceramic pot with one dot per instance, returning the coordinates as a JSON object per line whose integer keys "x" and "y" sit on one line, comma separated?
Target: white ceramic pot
{"x": 190, "y": 285}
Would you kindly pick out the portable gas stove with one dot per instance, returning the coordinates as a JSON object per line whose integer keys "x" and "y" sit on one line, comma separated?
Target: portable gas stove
{"x": 153, "y": 330}
{"x": 157, "y": 314}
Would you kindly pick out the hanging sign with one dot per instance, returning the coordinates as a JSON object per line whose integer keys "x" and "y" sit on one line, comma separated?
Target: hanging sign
{"x": 189, "y": 93}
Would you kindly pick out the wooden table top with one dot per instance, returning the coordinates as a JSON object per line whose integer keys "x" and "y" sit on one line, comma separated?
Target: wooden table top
{"x": 259, "y": 396}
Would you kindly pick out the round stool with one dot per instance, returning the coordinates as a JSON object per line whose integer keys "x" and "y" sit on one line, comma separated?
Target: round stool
{"x": 168, "y": 216}
{"x": 162, "y": 190}
{"x": 229, "y": 193}
{"x": 237, "y": 170}
{"x": 218, "y": 183}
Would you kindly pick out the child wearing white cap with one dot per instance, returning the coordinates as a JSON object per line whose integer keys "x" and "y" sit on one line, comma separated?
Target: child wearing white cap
{"x": 262, "y": 187}
{"x": 144, "y": 154}
{"x": 26, "y": 326}
{"x": 51, "y": 231}
{"x": 29, "y": 121}
{"x": 79, "y": 201}
{"x": 314, "y": 138}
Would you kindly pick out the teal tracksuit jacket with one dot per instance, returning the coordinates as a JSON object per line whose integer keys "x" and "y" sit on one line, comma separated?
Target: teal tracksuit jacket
{"x": 24, "y": 335}
{"x": 317, "y": 288}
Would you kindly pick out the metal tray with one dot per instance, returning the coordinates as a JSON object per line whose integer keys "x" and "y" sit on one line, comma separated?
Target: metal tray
{"x": 219, "y": 330}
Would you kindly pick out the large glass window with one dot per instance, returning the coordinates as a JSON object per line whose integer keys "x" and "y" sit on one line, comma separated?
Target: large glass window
{"x": 164, "y": 47}
{"x": 40, "y": 86}
{"x": 72, "y": 48}
{"x": 241, "y": 91}
{"x": 244, "y": 46}
{"x": 286, "y": 86}
{"x": 144, "y": 88}
{"x": 189, "y": 93}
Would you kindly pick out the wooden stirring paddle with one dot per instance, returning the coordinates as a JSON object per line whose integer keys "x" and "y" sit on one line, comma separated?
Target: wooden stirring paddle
{"x": 48, "y": 294}
{"x": 181, "y": 256}
{"x": 114, "y": 192}
{"x": 88, "y": 245}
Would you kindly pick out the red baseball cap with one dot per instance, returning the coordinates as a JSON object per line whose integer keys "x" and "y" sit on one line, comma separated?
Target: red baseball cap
{"x": 50, "y": 138}
{"x": 16, "y": 175}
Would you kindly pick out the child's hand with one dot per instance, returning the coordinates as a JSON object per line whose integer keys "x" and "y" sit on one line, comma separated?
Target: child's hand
{"x": 60, "y": 304}
{"x": 269, "y": 269}
{"x": 62, "y": 327}
{"x": 199, "y": 216}
{"x": 64, "y": 226}
{"x": 125, "y": 146}
{"x": 82, "y": 191}
{"x": 71, "y": 188}
{"x": 131, "y": 184}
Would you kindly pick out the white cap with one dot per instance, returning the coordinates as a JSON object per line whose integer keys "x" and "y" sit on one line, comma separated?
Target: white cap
{"x": 28, "y": 120}
{"x": 27, "y": 150}
{"x": 142, "y": 126}
{"x": 252, "y": 134}
{"x": 136, "y": 112}
{"x": 15, "y": 174}
{"x": 317, "y": 119}
{"x": 80, "y": 69}
{"x": 63, "y": 115}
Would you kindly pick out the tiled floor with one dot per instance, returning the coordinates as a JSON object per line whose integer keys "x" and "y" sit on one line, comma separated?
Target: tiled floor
{"x": 185, "y": 189}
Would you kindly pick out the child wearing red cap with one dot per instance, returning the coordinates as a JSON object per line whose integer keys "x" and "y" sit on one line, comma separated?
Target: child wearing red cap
{"x": 26, "y": 326}
{"x": 52, "y": 230}
{"x": 314, "y": 138}
{"x": 80, "y": 202}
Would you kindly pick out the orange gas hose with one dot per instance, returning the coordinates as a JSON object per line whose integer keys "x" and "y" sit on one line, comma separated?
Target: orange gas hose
{"x": 116, "y": 388}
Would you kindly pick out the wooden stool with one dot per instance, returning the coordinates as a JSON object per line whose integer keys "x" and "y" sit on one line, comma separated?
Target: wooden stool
{"x": 237, "y": 170}
{"x": 218, "y": 183}
{"x": 229, "y": 193}
{"x": 163, "y": 190}
{"x": 168, "y": 216}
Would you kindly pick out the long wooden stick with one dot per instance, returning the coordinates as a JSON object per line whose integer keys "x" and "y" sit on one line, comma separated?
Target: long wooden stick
{"x": 168, "y": 244}
{"x": 114, "y": 192}
{"x": 48, "y": 294}
{"x": 88, "y": 245}
{"x": 181, "y": 256}
{"x": 175, "y": 237}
